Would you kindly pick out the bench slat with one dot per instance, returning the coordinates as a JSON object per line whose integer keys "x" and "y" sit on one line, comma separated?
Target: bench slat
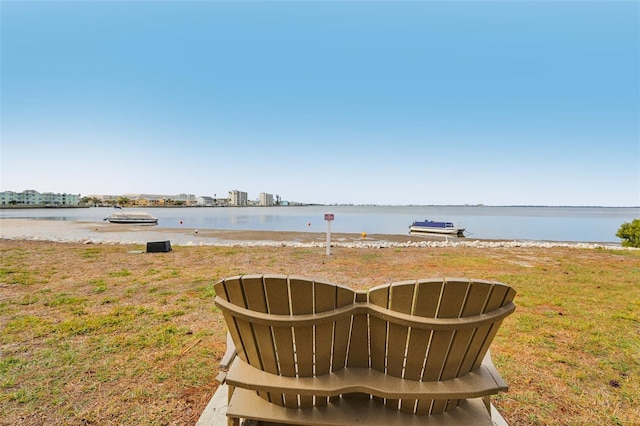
{"x": 401, "y": 300}
{"x": 302, "y": 303}
{"x": 451, "y": 301}
{"x": 473, "y": 305}
{"x": 276, "y": 289}
{"x": 478, "y": 383}
{"x": 325, "y": 299}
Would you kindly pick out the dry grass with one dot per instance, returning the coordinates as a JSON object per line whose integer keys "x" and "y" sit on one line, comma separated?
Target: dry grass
{"x": 96, "y": 334}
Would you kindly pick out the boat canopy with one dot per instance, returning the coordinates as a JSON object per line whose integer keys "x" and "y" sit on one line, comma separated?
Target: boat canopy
{"x": 433, "y": 224}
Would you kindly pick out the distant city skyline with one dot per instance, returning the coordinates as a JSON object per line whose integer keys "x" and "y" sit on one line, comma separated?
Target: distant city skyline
{"x": 389, "y": 103}
{"x": 295, "y": 202}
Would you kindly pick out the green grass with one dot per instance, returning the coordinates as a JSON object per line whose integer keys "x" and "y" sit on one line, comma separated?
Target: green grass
{"x": 97, "y": 335}
{"x": 120, "y": 273}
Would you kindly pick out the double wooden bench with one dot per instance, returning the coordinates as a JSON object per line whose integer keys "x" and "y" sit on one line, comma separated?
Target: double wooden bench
{"x": 311, "y": 352}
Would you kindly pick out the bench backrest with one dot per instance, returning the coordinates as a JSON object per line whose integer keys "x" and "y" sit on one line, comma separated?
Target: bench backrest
{"x": 429, "y": 353}
{"x": 426, "y": 330}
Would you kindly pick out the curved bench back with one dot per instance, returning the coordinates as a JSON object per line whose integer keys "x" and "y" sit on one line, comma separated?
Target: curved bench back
{"x": 429, "y": 354}
{"x": 287, "y": 348}
{"x": 427, "y": 330}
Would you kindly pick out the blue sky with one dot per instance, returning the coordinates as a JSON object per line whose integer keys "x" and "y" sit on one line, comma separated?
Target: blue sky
{"x": 330, "y": 102}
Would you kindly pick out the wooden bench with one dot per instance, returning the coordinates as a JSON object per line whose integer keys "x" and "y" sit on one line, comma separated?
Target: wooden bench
{"x": 311, "y": 352}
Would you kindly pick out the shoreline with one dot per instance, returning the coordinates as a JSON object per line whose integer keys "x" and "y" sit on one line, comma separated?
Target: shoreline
{"x": 106, "y": 233}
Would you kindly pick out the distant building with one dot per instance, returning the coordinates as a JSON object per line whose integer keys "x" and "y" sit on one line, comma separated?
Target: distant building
{"x": 153, "y": 200}
{"x": 189, "y": 199}
{"x": 104, "y": 199}
{"x": 265, "y": 199}
{"x": 35, "y": 198}
{"x": 203, "y": 200}
{"x": 238, "y": 198}
{"x": 161, "y": 200}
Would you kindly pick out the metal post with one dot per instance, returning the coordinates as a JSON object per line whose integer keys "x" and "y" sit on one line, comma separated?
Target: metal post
{"x": 328, "y": 237}
{"x": 329, "y": 217}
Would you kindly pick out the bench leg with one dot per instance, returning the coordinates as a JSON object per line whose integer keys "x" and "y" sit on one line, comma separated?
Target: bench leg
{"x": 487, "y": 403}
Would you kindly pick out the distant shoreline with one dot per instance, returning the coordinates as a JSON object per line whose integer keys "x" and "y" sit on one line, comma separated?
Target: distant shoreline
{"x": 45, "y": 206}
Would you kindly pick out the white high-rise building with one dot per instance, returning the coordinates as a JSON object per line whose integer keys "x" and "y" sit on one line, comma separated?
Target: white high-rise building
{"x": 265, "y": 199}
{"x": 238, "y": 198}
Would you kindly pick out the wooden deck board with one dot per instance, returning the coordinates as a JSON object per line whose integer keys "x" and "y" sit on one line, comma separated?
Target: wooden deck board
{"x": 352, "y": 411}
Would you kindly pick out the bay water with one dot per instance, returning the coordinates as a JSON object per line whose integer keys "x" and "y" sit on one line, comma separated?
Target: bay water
{"x": 526, "y": 223}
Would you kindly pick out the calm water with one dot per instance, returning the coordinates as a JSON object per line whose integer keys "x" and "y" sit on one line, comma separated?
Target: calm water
{"x": 589, "y": 224}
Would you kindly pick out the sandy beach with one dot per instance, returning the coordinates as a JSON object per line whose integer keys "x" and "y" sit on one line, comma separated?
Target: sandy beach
{"x": 107, "y": 233}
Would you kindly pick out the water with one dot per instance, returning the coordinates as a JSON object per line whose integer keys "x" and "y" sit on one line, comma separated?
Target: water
{"x": 579, "y": 224}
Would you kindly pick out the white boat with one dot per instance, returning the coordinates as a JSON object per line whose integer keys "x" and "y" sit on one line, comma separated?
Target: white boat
{"x": 133, "y": 218}
{"x": 433, "y": 227}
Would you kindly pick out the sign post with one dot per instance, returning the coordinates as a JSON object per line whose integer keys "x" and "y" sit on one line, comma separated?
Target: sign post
{"x": 328, "y": 217}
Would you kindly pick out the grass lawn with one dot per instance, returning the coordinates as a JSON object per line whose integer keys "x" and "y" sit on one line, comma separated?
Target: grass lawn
{"x": 104, "y": 334}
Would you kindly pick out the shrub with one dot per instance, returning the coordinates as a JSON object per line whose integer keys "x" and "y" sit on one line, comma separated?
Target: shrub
{"x": 630, "y": 233}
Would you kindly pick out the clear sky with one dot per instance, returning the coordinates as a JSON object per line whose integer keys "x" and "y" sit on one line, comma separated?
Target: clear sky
{"x": 359, "y": 102}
